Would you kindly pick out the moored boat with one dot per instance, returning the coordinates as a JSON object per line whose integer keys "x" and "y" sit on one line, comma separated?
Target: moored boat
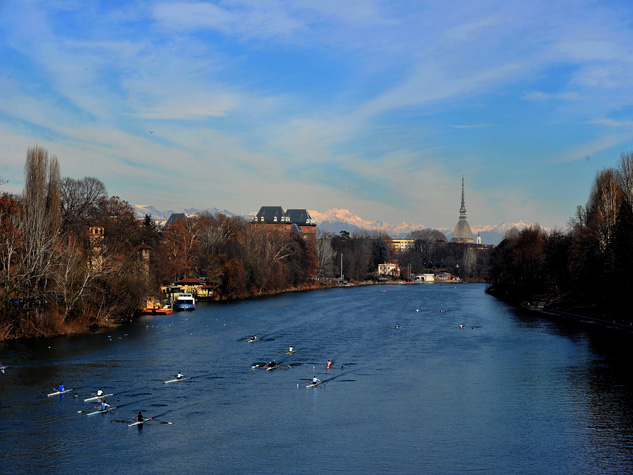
{"x": 185, "y": 302}
{"x": 152, "y": 307}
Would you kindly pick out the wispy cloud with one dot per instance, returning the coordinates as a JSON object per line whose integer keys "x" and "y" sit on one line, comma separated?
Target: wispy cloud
{"x": 607, "y": 122}
{"x": 472, "y": 126}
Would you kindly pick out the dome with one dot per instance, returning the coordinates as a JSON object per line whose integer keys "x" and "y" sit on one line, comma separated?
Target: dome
{"x": 462, "y": 232}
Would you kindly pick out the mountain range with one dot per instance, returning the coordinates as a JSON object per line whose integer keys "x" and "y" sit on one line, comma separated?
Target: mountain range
{"x": 336, "y": 220}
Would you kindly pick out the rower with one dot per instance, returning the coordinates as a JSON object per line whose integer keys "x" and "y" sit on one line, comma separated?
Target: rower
{"x": 461, "y": 326}
{"x": 99, "y": 393}
{"x": 290, "y": 350}
{"x": 254, "y": 337}
{"x": 315, "y": 380}
{"x": 329, "y": 364}
{"x": 105, "y": 405}
{"x": 61, "y": 388}
{"x": 139, "y": 418}
{"x": 179, "y": 375}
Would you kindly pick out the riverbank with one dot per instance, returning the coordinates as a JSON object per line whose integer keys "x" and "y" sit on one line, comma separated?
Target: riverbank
{"x": 563, "y": 308}
{"x": 581, "y": 318}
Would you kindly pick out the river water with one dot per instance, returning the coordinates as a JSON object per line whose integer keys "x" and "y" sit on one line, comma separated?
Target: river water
{"x": 409, "y": 391}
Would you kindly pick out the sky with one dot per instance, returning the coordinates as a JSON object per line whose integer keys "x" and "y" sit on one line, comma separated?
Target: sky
{"x": 380, "y": 107}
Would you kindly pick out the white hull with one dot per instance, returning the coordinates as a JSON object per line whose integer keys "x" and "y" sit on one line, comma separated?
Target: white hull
{"x": 60, "y": 392}
{"x": 101, "y": 412}
{"x": 97, "y": 397}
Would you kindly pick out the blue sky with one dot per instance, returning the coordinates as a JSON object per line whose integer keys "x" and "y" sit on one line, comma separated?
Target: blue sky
{"x": 375, "y": 106}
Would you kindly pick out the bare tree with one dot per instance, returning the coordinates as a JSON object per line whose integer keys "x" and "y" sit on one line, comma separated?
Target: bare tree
{"x": 39, "y": 226}
{"x": 325, "y": 255}
{"x": 624, "y": 176}
{"x": 80, "y": 198}
{"x": 603, "y": 206}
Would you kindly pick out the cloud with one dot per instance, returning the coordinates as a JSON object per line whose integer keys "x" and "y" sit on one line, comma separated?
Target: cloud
{"x": 268, "y": 19}
{"x": 612, "y": 122}
{"x": 543, "y": 96}
{"x": 472, "y": 126}
{"x": 587, "y": 149}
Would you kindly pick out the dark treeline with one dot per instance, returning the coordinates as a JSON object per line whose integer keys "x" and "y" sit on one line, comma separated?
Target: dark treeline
{"x": 585, "y": 268}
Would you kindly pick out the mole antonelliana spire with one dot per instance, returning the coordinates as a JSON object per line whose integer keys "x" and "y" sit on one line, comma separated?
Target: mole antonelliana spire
{"x": 462, "y": 233}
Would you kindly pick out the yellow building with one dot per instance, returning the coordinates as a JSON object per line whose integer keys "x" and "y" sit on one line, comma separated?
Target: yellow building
{"x": 401, "y": 245}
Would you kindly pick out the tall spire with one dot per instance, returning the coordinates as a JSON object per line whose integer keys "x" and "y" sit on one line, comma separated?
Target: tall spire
{"x": 462, "y": 210}
{"x": 462, "y": 233}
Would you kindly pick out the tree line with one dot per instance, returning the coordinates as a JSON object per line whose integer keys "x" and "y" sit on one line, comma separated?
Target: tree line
{"x": 356, "y": 256}
{"x": 72, "y": 257}
{"x": 69, "y": 255}
{"x": 588, "y": 266}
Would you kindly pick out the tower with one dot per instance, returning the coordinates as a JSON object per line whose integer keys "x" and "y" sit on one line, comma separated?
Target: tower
{"x": 462, "y": 233}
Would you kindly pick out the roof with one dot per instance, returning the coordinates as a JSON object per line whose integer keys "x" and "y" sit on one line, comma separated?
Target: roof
{"x": 271, "y": 214}
{"x": 462, "y": 232}
{"x": 173, "y": 218}
{"x": 300, "y": 217}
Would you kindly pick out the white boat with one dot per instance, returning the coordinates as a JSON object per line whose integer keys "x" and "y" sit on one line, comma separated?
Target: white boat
{"x": 175, "y": 380}
{"x": 98, "y": 397}
{"x": 314, "y": 385}
{"x": 185, "y": 302}
{"x": 60, "y": 392}
{"x": 101, "y": 411}
{"x": 137, "y": 423}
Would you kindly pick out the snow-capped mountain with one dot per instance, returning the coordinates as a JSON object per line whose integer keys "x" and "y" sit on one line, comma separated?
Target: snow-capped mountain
{"x": 336, "y": 220}
{"x": 162, "y": 215}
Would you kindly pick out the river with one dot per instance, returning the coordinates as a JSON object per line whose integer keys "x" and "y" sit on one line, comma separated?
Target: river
{"x": 409, "y": 391}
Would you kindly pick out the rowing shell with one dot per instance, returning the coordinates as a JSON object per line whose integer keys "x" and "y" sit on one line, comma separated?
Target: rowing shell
{"x": 314, "y": 385}
{"x": 175, "y": 380}
{"x": 138, "y": 423}
{"x": 98, "y": 397}
{"x": 254, "y": 340}
{"x": 270, "y": 368}
{"x": 101, "y": 411}
{"x": 60, "y": 392}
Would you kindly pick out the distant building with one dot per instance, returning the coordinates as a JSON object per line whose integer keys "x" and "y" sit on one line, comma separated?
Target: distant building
{"x": 462, "y": 233}
{"x": 401, "y": 245}
{"x": 293, "y": 220}
{"x": 173, "y": 218}
{"x": 389, "y": 268}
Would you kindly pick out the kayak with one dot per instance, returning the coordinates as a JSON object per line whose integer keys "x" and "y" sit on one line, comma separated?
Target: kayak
{"x": 60, "y": 392}
{"x": 175, "y": 380}
{"x": 101, "y": 411}
{"x": 98, "y": 397}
